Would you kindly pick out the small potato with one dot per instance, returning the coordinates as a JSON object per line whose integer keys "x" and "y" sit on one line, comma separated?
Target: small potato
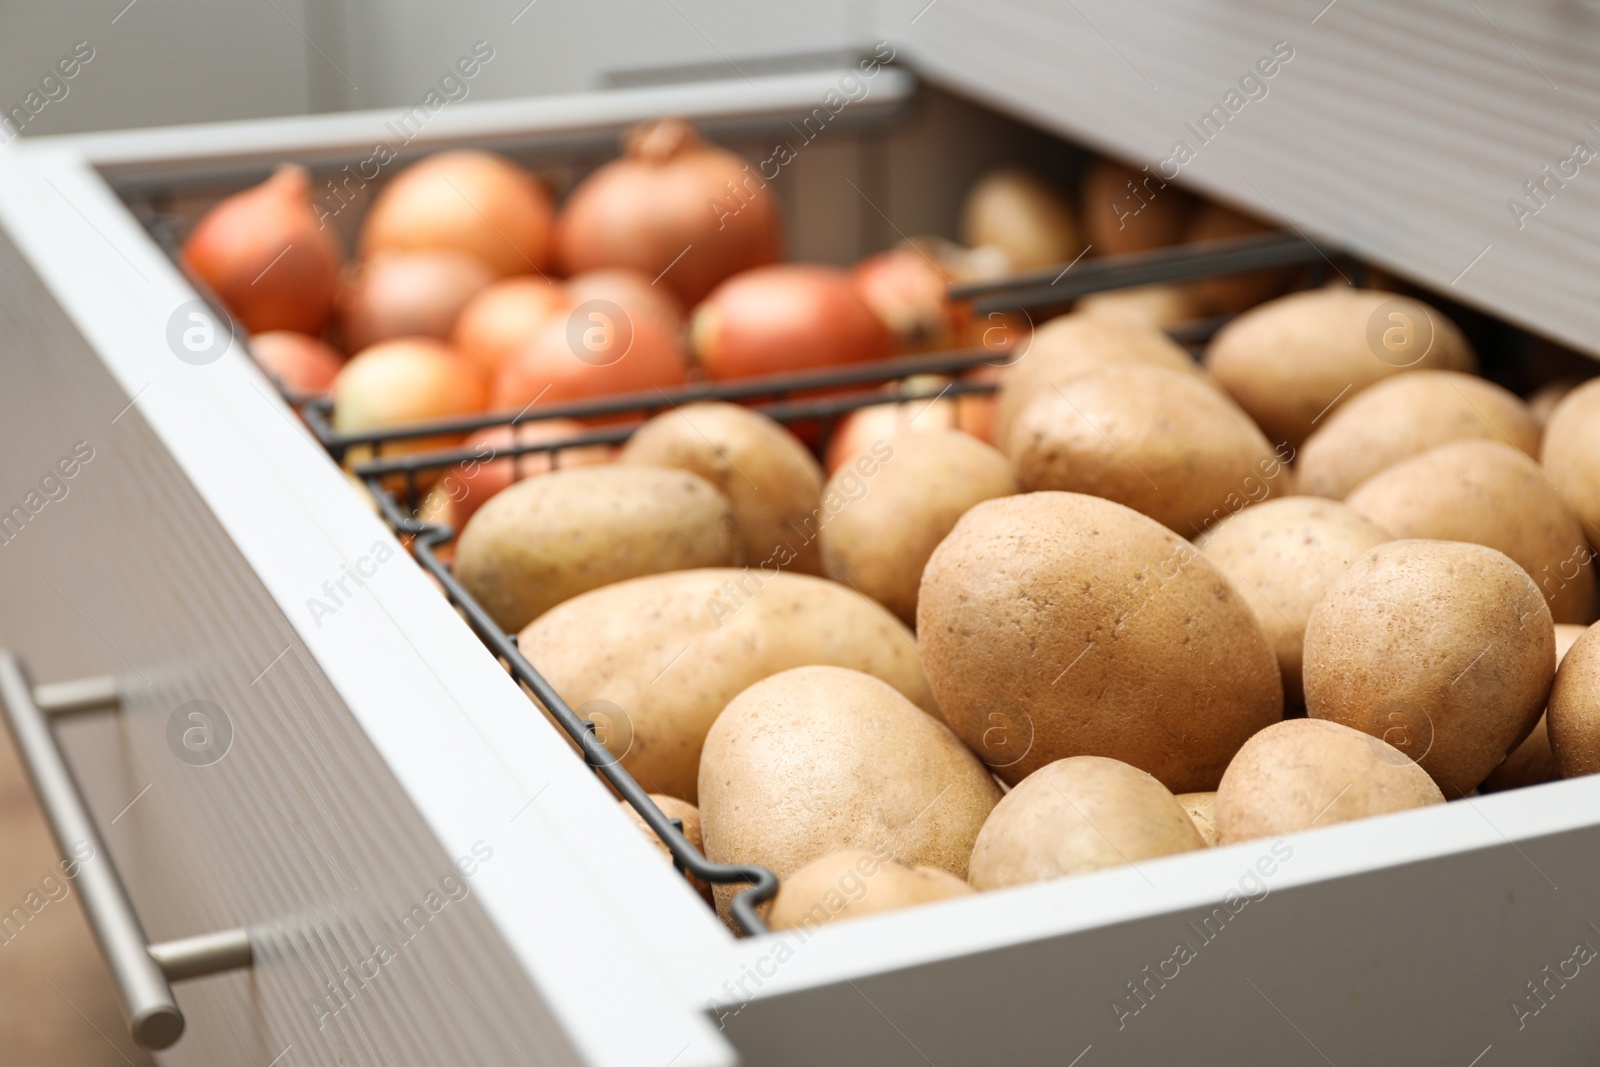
{"x": 689, "y": 816}
{"x": 823, "y": 759}
{"x": 1290, "y": 360}
{"x": 1398, "y": 419}
{"x": 1202, "y": 808}
{"x": 1446, "y": 650}
{"x": 1058, "y": 625}
{"x": 1016, "y": 211}
{"x": 1488, "y": 493}
{"x": 1574, "y": 715}
{"x": 1533, "y": 761}
{"x": 1302, "y": 773}
{"x": 1281, "y": 556}
{"x": 852, "y": 884}
{"x": 1144, "y": 305}
{"x": 773, "y": 484}
{"x": 1158, "y": 441}
{"x": 1078, "y": 815}
{"x": 659, "y": 657}
{"x": 1070, "y": 346}
{"x": 1571, "y": 454}
{"x": 547, "y": 539}
{"x": 879, "y": 542}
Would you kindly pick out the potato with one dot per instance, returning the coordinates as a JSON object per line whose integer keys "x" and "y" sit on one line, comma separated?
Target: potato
{"x": 1301, "y": 773}
{"x": 548, "y": 539}
{"x": 1202, "y": 808}
{"x": 853, "y": 883}
{"x": 1160, "y": 442}
{"x": 1533, "y": 761}
{"x": 821, "y": 759}
{"x": 1070, "y": 346}
{"x": 1144, "y": 305}
{"x": 1543, "y": 401}
{"x": 1281, "y": 556}
{"x": 1054, "y": 625}
{"x": 1076, "y": 815}
{"x": 1574, "y": 715}
{"x": 1571, "y": 454}
{"x": 879, "y": 543}
{"x": 689, "y": 816}
{"x": 1290, "y": 360}
{"x": 1398, "y": 419}
{"x": 1127, "y": 210}
{"x": 1488, "y": 493}
{"x": 772, "y": 483}
{"x": 1014, "y": 210}
{"x": 662, "y": 655}
{"x": 1445, "y": 650}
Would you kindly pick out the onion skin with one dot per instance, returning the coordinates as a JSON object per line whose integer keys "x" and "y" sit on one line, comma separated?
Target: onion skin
{"x": 671, "y": 191}
{"x": 858, "y": 431}
{"x": 786, "y": 317}
{"x": 303, "y": 363}
{"x": 264, "y": 255}
{"x": 463, "y": 489}
{"x": 912, "y": 296}
{"x": 631, "y": 291}
{"x": 411, "y": 379}
{"x": 476, "y": 203}
{"x": 410, "y": 294}
{"x": 975, "y": 412}
{"x": 548, "y": 370}
{"x": 503, "y": 317}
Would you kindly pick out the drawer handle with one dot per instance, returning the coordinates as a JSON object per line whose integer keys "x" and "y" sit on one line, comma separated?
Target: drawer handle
{"x": 141, "y": 972}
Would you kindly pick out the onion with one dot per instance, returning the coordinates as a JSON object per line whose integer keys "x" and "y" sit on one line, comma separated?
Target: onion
{"x": 301, "y": 362}
{"x": 1027, "y": 219}
{"x": 975, "y": 411}
{"x": 1131, "y": 211}
{"x": 501, "y": 319}
{"x": 1229, "y": 294}
{"x": 477, "y": 203}
{"x": 406, "y": 380}
{"x": 264, "y": 255}
{"x": 576, "y": 358}
{"x": 464, "y": 488}
{"x": 631, "y": 291}
{"x": 787, "y": 317}
{"x": 410, "y": 294}
{"x": 910, "y": 292}
{"x": 674, "y": 208}
{"x": 858, "y": 431}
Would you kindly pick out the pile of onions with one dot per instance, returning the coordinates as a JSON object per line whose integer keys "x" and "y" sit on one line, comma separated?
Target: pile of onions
{"x": 264, "y": 255}
{"x": 786, "y": 317}
{"x": 464, "y": 488}
{"x": 1129, "y": 211}
{"x": 589, "y": 353}
{"x": 301, "y": 362}
{"x": 631, "y": 291}
{"x": 476, "y": 203}
{"x": 411, "y": 379}
{"x": 1015, "y": 211}
{"x": 671, "y": 201}
{"x": 410, "y": 294}
{"x": 910, "y": 292}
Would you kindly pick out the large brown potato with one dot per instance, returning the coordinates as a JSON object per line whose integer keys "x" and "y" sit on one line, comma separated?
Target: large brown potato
{"x": 1127, "y": 210}
{"x": 879, "y": 542}
{"x": 772, "y": 483}
{"x": 1281, "y": 556}
{"x": 821, "y": 759}
{"x": 1070, "y": 346}
{"x": 1571, "y": 454}
{"x": 1076, "y": 815}
{"x": 1490, "y": 494}
{"x": 1290, "y": 360}
{"x": 547, "y": 539}
{"x": 1163, "y": 443}
{"x": 852, "y": 884}
{"x": 1301, "y": 773}
{"x": 1444, "y": 649}
{"x": 661, "y": 656}
{"x": 1398, "y": 419}
{"x": 1055, "y": 625}
{"x": 1533, "y": 761}
{"x": 1574, "y": 715}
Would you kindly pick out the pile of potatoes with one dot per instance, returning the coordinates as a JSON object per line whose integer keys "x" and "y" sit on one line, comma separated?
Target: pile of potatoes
{"x": 1145, "y": 605}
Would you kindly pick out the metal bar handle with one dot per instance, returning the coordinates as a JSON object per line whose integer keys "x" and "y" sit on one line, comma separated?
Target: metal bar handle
{"x": 140, "y": 971}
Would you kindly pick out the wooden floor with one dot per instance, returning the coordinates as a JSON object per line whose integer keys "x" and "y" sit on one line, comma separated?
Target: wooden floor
{"x": 56, "y": 1004}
